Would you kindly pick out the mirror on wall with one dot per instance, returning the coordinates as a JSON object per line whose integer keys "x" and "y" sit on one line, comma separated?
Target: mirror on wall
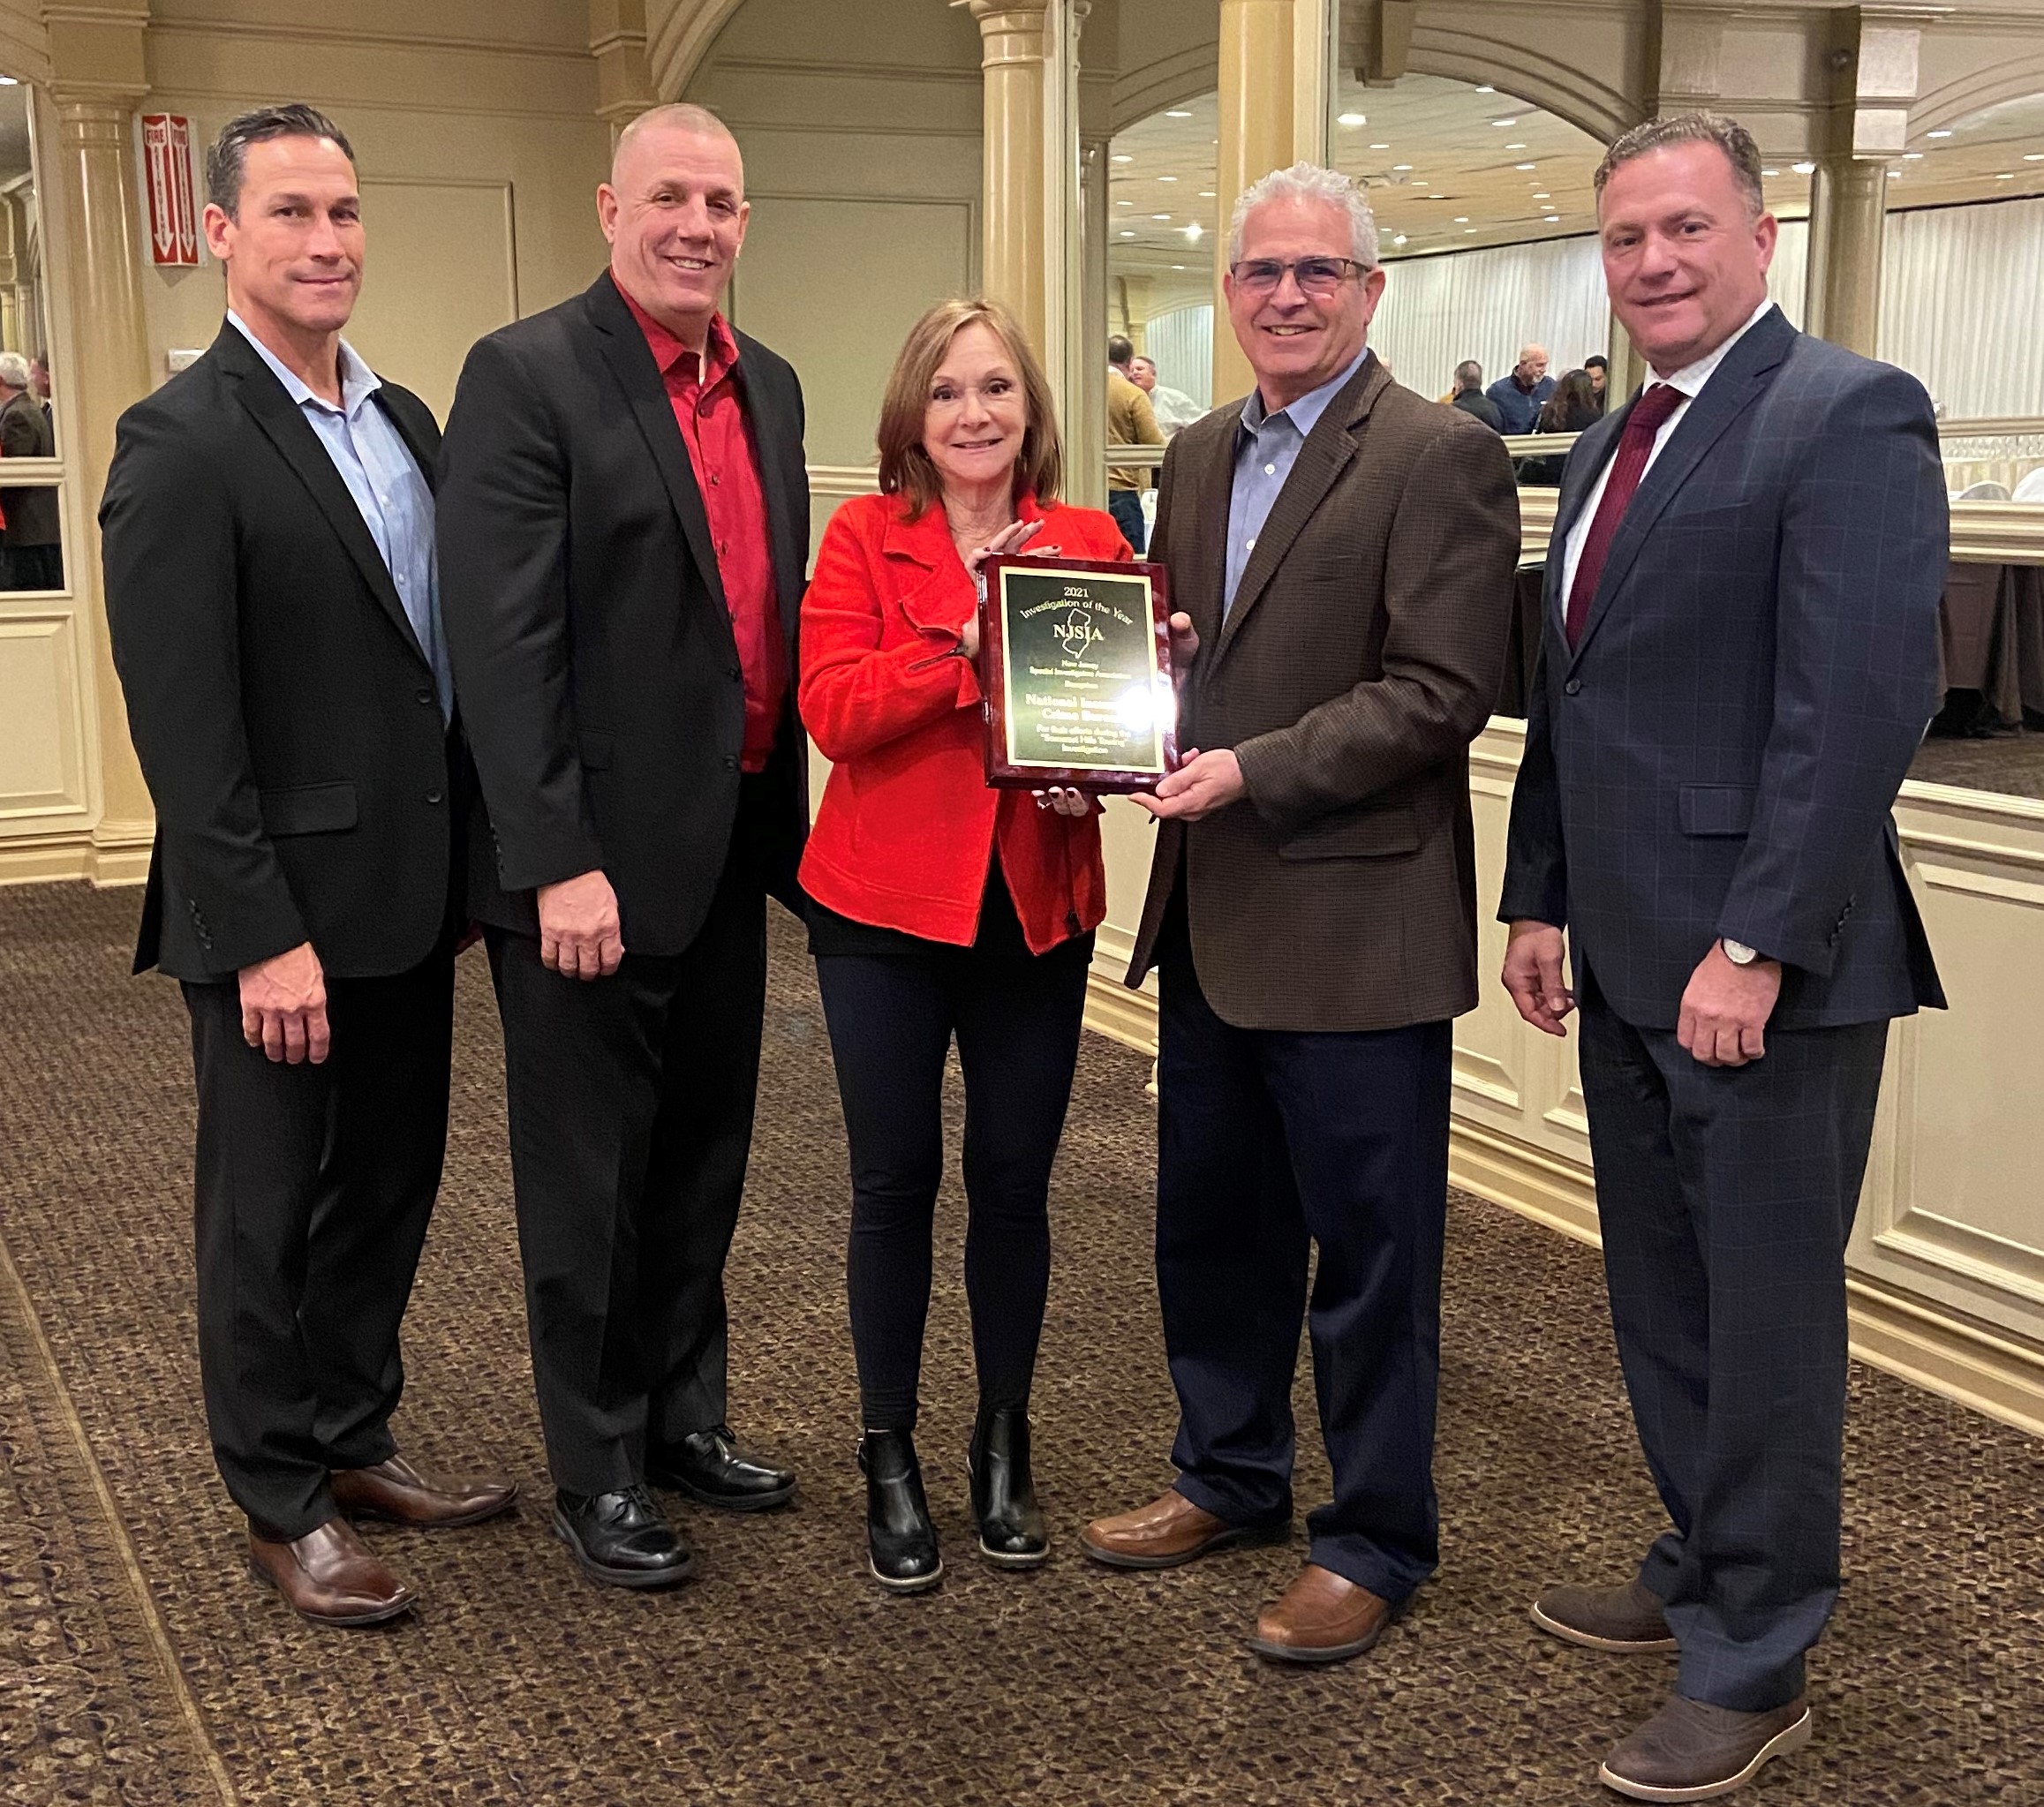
{"x": 31, "y": 512}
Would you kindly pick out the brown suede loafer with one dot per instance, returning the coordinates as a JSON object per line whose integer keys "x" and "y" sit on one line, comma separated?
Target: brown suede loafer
{"x": 1170, "y": 1530}
{"x": 1323, "y": 1617}
{"x": 1625, "y": 1618}
{"x": 1693, "y": 1751}
{"x": 396, "y": 1490}
{"x": 329, "y": 1576}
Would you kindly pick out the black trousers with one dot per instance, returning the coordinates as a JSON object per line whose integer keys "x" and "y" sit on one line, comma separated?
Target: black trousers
{"x": 1726, "y": 1196}
{"x": 892, "y": 1018}
{"x": 1270, "y": 1142}
{"x": 1126, "y": 506}
{"x": 631, "y": 1100}
{"x": 314, "y": 1185}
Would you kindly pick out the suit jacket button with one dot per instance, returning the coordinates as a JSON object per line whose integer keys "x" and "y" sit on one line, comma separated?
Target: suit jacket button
{"x": 1572, "y": 687}
{"x": 738, "y": 674}
{"x": 425, "y": 694}
{"x": 433, "y": 796}
{"x": 730, "y": 765}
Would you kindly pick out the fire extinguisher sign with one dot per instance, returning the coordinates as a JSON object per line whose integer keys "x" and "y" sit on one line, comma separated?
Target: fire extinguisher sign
{"x": 167, "y": 181}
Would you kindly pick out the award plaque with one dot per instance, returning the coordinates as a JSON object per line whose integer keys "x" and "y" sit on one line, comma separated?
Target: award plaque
{"x": 1074, "y": 661}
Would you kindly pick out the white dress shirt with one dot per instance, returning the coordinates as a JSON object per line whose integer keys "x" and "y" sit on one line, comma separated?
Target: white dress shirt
{"x": 1689, "y": 380}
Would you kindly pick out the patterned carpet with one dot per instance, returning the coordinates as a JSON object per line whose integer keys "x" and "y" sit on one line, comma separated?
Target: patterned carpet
{"x": 783, "y": 1676}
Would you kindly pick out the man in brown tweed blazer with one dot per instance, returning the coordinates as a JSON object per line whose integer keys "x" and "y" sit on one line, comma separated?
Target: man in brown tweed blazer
{"x": 1342, "y": 552}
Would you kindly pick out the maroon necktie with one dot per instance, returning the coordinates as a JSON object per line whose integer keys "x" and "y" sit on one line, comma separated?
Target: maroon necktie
{"x": 1635, "y": 444}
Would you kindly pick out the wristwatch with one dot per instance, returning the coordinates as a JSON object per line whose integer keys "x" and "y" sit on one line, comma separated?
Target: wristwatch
{"x": 1737, "y": 951}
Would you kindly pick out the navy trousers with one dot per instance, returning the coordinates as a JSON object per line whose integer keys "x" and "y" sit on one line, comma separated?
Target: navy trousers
{"x": 1269, "y": 1142}
{"x": 1726, "y": 1196}
{"x": 1126, "y": 506}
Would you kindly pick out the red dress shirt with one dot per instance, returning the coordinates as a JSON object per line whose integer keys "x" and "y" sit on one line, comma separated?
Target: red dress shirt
{"x": 711, "y": 414}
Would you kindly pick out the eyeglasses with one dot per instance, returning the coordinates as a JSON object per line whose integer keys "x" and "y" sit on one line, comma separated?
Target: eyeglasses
{"x": 1318, "y": 276}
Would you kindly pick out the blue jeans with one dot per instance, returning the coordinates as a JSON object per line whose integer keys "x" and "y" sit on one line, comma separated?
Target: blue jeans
{"x": 1126, "y": 506}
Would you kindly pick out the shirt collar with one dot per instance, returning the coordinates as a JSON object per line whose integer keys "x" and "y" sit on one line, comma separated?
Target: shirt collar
{"x": 669, "y": 351}
{"x": 1304, "y": 414}
{"x": 1692, "y": 377}
{"x": 359, "y": 382}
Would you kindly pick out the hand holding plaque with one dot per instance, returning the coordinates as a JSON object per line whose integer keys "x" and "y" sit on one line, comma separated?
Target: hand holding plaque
{"x": 1074, "y": 662}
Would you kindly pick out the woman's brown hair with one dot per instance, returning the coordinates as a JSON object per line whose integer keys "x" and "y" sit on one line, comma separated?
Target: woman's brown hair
{"x": 905, "y": 467}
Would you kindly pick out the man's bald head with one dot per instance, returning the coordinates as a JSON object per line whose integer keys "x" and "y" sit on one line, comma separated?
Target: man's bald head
{"x": 674, "y": 213}
{"x": 1532, "y": 364}
{"x": 677, "y": 115}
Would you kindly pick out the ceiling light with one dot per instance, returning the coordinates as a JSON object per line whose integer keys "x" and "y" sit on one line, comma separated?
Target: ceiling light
{"x": 2033, "y": 156}
{"x": 1195, "y": 232}
{"x": 1895, "y": 175}
{"x": 1917, "y": 156}
{"x": 2006, "y": 176}
{"x": 1124, "y": 159}
{"x": 1178, "y": 266}
{"x": 1462, "y": 219}
{"x": 1397, "y": 238}
{"x": 1167, "y": 178}
{"x": 1541, "y": 195}
{"x": 1124, "y": 203}
{"x": 1160, "y": 216}
{"x": 1470, "y": 229}
{"x": 1514, "y": 146}
{"x": 1504, "y": 122}
{"x": 1945, "y": 133}
{"x": 1401, "y": 166}
{"x": 1486, "y": 89}
{"x": 1554, "y": 219}
{"x": 1380, "y": 146}
{"x": 1351, "y": 120}
{"x": 1526, "y": 166}
{"x": 1771, "y": 172}
{"x": 1207, "y": 194}
{"x": 1176, "y": 113}
{"x": 8, "y": 81}
{"x": 1803, "y": 169}
{"x": 1128, "y": 235}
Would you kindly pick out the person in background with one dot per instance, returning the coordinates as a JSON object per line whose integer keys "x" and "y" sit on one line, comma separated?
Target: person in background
{"x": 31, "y": 539}
{"x": 274, "y": 607}
{"x": 1600, "y": 374}
{"x": 1174, "y": 408}
{"x": 1468, "y": 395}
{"x": 39, "y": 383}
{"x": 942, "y": 908}
{"x": 1572, "y": 407}
{"x": 1521, "y": 394}
{"x": 624, "y": 525}
{"x": 1739, "y": 657}
{"x": 1130, "y": 422}
{"x": 1342, "y": 550}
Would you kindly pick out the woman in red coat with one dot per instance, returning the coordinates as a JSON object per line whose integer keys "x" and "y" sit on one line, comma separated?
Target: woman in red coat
{"x": 942, "y": 908}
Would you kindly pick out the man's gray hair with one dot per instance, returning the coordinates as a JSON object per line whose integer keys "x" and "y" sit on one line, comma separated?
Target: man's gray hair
{"x": 1308, "y": 182}
{"x": 1726, "y": 134}
{"x": 227, "y": 157}
{"x": 13, "y": 370}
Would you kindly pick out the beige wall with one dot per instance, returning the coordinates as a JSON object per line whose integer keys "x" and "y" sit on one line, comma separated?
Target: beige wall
{"x": 474, "y": 127}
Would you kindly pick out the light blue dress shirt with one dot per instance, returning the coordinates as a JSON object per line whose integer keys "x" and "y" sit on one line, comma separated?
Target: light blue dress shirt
{"x": 388, "y": 488}
{"x": 1266, "y": 448}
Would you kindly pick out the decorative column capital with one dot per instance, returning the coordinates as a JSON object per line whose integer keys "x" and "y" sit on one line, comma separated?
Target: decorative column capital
{"x": 96, "y": 51}
{"x": 617, "y": 41}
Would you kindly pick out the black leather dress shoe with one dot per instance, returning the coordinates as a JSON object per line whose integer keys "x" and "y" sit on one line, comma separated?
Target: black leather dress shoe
{"x": 900, "y": 1541}
{"x": 1012, "y": 1531}
{"x": 622, "y": 1538}
{"x": 713, "y": 1470}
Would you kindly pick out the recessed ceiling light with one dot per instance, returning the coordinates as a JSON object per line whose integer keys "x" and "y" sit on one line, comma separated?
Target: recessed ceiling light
{"x": 8, "y": 81}
{"x": 1178, "y": 266}
{"x": 1351, "y": 120}
{"x": 1167, "y": 178}
{"x": 1540, "y": 196}
{"x": 1124, "y": 203}
{"x": 1514, "y": 146}
{"x": 1803, "y": 169}
{"x": 1895, "y": 175}
{"x": 1462, "y": 219}
{"x": 2033, "y": 156}
{"x": 1208, "y": 194}
{"x": 1176, "y": 113}
{"x": 1380, "y": 146}
{"x": 1401, "y": 166}
{"x": 1526, "y": 166}
{"x": 1917, "y": 156}
{"x": 1471, "y": 228}
{"x": 1504, "y": 122}
{"x": 1486, "y": 89}
{"x": 1128, "y": 235}
{"x": 1397, "y": 238}
{"x": 1124, "y": 158}
{"x": 1195, "y": 232}
{"x": 2006, "y": 176}
{"x": 1945, "y": 133}
{"x": 1771, "y": 172}
{"x": 1160, "y": 216}
{"x": 1554, "y": 219}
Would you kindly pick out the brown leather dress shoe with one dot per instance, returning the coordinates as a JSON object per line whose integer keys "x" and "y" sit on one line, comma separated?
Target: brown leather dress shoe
{"x": 329, "y": 1576}
{"x": 396, "y": 1490}
{"x": 1625, "y": 1617}
{"x": 1170, "y": 1530}
{"x": 1694, "y": 1752}
{"x": 1321, "y": 1618}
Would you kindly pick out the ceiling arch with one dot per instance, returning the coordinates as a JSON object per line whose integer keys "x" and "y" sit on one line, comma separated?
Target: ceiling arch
{"x": 680, "y": 37}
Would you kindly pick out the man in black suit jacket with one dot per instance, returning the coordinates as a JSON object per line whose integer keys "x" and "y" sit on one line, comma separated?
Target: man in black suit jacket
{"x": 268, "y": 530}
{"x": 31, "y": 548}
{"x": 1738, "y": 662}
{"x": 624, "y": 532}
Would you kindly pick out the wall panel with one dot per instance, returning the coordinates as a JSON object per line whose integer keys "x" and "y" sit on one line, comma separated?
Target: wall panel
{"x": 43, "y": 761}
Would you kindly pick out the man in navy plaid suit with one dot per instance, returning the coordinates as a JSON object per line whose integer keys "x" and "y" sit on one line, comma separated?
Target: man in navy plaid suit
{"x": 1739, "y": 655}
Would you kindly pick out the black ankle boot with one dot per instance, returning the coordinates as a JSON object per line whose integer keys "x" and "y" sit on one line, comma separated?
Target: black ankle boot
{"x": 1012, "y": 1531}
{"x": 900, "y": 1541}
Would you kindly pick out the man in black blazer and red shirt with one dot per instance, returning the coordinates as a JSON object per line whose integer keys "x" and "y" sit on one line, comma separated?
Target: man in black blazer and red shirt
{"x": 624, "y": 532}
{"x": 268, "y": 533}
{"x": 1740, "y": 660}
